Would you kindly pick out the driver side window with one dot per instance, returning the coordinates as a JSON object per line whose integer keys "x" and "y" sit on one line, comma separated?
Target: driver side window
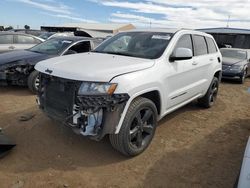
{"x": 119, "y": 45}
{"x": 185, "y": 41}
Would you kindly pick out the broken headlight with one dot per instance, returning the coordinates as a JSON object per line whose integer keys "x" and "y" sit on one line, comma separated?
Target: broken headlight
{"x": 95, "y": 88}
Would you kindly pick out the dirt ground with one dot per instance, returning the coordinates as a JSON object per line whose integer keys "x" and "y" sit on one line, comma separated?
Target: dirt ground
{"x": 192, "y": 147}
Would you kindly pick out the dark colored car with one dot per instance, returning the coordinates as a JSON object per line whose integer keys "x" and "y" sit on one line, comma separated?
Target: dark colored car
{"x": 17, "y": 67}
{"x": 235, "y": 63}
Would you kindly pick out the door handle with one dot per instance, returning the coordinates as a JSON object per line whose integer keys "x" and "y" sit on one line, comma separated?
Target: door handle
{"x": 194, "y": 63}
{"x": 211, "y": 59}
{"x": 12, "y": 47}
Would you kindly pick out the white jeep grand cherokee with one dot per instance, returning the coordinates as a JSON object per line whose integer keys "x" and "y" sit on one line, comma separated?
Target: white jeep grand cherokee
{"x": 130, "y": 82}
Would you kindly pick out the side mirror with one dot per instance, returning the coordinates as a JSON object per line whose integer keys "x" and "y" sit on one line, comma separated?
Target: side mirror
{"x": 70, "y": 52}
{"x": 181, "y": 54}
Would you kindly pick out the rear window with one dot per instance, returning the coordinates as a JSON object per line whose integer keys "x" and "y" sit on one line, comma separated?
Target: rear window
{"x": 6, "y": 39}
{"x": 211, "y": 46}
{"x": 200, "y": 45}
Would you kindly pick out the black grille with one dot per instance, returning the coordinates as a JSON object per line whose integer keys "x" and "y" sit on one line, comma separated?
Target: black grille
{"x": 58, "y": 96}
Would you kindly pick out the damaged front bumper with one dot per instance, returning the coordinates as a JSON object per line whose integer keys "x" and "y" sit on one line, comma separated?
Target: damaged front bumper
{"x": 15, "y": 75}
{"x": 88, "y": 115}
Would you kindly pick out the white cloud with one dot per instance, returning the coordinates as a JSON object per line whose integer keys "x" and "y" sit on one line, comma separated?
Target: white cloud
{"x": 48, "y": 5}
{"x": 56, "y": 9}
{"x": 181, "y": 13}
{"x": 70, "y": 17}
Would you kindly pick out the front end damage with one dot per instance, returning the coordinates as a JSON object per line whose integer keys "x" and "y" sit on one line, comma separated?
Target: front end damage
{"x": 15, "y": 74}
{"x": 89, "y": 115}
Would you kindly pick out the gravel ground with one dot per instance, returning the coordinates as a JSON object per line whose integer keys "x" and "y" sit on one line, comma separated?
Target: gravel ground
{"x": 192, "y": 147}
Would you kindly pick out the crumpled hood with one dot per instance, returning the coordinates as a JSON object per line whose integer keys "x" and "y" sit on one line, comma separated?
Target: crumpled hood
{"x": 92, "y": 66}
{"x": 230, "y": 61}
{"x": 21, "y": 57}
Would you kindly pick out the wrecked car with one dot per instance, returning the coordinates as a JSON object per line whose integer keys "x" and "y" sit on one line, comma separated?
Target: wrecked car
{"x": 235, "y": 64}
{"x": 129, "y": 82}
{"x": 6, "y": 145}
{"x": 17, "y": 67}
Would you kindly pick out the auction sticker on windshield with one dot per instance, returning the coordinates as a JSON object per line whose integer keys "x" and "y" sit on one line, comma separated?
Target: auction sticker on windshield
{"x": 67, "y": 41}
{"x": 161, "y": 37}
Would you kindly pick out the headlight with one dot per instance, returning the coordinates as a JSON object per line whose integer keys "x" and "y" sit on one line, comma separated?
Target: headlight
{"x": 92, "y": 88}
{"x": 236, "y": 68}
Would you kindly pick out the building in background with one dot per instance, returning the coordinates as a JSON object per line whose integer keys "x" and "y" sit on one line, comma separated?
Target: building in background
{"x": 230, "y": 37}
{"x": 96, "y": 30}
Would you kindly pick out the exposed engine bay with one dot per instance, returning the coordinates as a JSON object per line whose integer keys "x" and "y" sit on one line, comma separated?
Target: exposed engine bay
{"x": 88, "y": 115}
{"x": 15, "y": 75}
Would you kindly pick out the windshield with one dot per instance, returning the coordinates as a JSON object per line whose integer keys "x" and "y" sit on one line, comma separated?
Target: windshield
{"x": 149, "y": 45}
{"x": 45, "y": 36}
{"x": 53, "y": 46}
{"x": 237, "y": 54}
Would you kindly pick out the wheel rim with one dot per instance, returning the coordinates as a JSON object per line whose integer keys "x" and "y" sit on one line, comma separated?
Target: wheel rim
{"x": 36, "y": 82}
{"x": 213, "y": 94}
{"x": 142, "y": 128}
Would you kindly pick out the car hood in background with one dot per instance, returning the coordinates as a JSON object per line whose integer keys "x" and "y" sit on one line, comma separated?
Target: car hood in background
{"x": 231, "y": 61}
{"x": 92, "y": 66}
{"x": 21, "y": 57}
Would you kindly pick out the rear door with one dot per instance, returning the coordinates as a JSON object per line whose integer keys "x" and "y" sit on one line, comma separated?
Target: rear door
{"x": 24, "y": 42}
{"x": 6, "y": 43}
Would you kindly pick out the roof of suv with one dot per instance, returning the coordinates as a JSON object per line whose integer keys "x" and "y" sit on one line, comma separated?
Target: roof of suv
{"x": 167, "y": 30}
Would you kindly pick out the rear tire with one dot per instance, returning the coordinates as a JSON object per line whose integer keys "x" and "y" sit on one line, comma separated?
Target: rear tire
{"x": 138, "y": 128}
{"x": 208, "y": 100}
{"x": 33, "y": 81}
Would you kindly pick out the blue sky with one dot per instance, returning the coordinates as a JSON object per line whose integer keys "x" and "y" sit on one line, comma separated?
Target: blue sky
{"x": 158, "y": 13}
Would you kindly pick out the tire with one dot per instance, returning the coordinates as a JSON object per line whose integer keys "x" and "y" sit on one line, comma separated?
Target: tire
{"x": 243, "y": 77}
{"x": 208, "y": 100}
{"x": 138, "y": 128}
{"x": 33, "y": 81}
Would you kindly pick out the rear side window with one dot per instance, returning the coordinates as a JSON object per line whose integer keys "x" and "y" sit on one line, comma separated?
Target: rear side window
{"x": 22, "y": 39}
{"x": 200, "y": 45}
{"x": 185, "y": 42}
{"x": 81, "y": 47}
{"x": 6, "y": 39}
{"x": 211, "y": 46}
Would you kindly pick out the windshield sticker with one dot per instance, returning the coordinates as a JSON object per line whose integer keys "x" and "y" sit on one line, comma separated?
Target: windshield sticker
{"x": 67, "y": 41}
{"x": 161, "y": 37}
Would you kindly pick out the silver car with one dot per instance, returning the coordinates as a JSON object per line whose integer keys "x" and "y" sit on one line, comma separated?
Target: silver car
{"x": 17, "y": 41}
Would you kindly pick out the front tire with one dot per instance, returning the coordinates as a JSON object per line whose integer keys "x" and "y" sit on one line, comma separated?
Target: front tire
{"x": 33, "y": 81}
{"x": 243, "y": 77}
{"x": 208, "y": 100}
{"x": 138, "y": 128}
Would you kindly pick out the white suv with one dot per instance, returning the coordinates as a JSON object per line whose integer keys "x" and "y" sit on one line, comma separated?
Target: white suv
{"x": 130, "y": 82}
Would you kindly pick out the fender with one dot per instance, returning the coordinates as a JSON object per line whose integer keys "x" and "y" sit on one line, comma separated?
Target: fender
{"x": 129, "y": 102}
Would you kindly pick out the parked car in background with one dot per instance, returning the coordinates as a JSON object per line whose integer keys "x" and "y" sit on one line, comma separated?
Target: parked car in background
{"x": 10, "y": 41}
{"x": 33, "y": 32}
{"x": 235, "y": 63}
{"x": 17, "y": 67}
{"x": 129, "y": 82}
{"x": 49, "y": 35}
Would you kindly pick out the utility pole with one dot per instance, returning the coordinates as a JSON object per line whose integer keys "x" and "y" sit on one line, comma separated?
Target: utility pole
{"x": 228, "y": 20}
